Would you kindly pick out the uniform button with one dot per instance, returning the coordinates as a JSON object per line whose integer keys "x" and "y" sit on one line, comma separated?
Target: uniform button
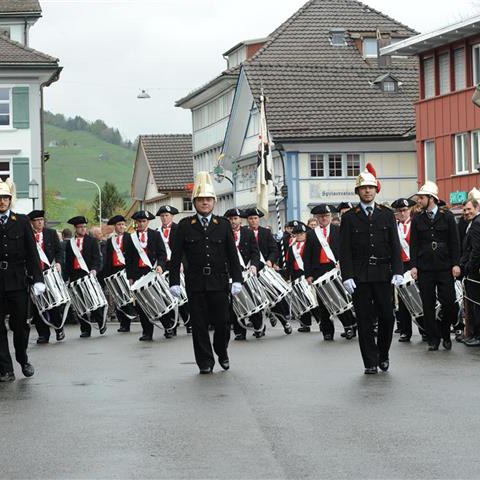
{"x": 372, "y": 245}
{"x": 208, "y": 255}
{"x": 206, "y": 238}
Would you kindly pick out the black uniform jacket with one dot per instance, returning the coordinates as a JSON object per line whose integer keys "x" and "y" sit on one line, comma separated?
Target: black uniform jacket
{"x": 369, "y": 249}
{"x": 108, "y": 267}
{"x": 434, "y": 244}
{"x": 155, "y": 251}
{"x": 91, "y": 255}
{"x": 51, "y": 246}
{"x": 209, "y": 256}
{"x": 19, "y": 260}
{"x": 293, "y": 274}
{"x": 248, "y": 247}
{"x": 470, "y": 261}
{"x": 267, "y": 245}
{"x": 313, "y": 249}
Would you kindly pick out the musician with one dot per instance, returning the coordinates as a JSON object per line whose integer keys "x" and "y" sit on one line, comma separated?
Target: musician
{"x": 249, "y": 258}
{"x": 435, "y": 255}
{"x": 343, "y": 208}
{"x": 321, "y": 254}
{"x": 82, "y": 257}
{"x": 370, "y": 262}
{"x": 19, "y": 268}
{"x": 115, "y": 262}
{"x": 145, "y": 252}
{"x": 48, "y": 246}
{"x": 268, "y": 256}
{"x": 208, "y": 246}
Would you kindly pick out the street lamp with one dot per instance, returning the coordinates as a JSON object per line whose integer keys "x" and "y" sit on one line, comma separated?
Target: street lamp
{"x": 99, "y": 197}
{"x": 33, "y": 191}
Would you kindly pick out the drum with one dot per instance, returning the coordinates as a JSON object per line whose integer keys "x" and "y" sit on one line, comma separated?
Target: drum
{"x": 183, "y": 299}
{"x": 409, "y": 293}
{"x": 152, "y": 293}
{"x": 332, "y": 293}
{"x": 276, "y": 288}
{"x": 87, "y": 295}
{"x": 119, "y": 288}
{"x": 251, "y": 299}
{"x": 303, "y": 298}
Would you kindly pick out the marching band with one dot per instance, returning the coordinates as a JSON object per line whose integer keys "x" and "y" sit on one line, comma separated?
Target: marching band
{"x": 408, "y": 261}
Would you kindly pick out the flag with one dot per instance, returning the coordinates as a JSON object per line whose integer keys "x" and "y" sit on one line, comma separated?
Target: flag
{"x": 264, "y": 162}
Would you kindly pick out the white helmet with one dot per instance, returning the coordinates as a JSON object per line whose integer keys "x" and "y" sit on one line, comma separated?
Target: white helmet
{"x": 430, "y": 189}
{"x": 203, "y": 186}
{"x": 474, "y": 194}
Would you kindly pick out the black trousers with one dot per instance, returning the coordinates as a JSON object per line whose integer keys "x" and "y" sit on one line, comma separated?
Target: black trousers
{"x": 256, "y": 320}
{"x": 148, "y": 326}
{"x": 472, "y": 291}
{"x": 95, "y": 316}
{"x": 442, "y": 284}
{"x": 123, "y": 315}
{"x": 209, "y": 307}
{"x": 16, "y": 304}
{"x": 55, "y": 318}
{"x": 327, "y": 326}
{"x": 369, "y": 300}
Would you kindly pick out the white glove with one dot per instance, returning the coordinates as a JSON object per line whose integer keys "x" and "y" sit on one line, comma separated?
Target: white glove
{"x": 176, "y": 290}
{"x": 397, "y": 280}
{"x": 38, "y": 288}
{"x": 279, "y": 236}
{"x": 236, "y": 288}
{"x": 253, "y": 269}
{"x": 349, "y": 285}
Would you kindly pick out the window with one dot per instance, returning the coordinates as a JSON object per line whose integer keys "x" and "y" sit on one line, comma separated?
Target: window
{"x": 187, "y": 204}
{"x": 339, "y": 165}
{"x": 212, "y": 112}
{"x": 389, "y": 86}
{"x": 5, "y": 171}
{"x": 475, "y": 141}
{"x": 353, "y": 164}
{"x": 429, "y": 152}
{"x": 459, "y": 59}
{"x": 444, "y": 72}
{"x": 4, "y": 107}
{"x": 461, "y": 153}
{"x": 429, "y": 77}
{"x": 370, "y": 49}
{"x": 337, "y": 37}
{"x": 335, "y": 165}
{"x": 476, "y": 64}
{"x": 316, "y": 166}
{"x": 254, "y": 123}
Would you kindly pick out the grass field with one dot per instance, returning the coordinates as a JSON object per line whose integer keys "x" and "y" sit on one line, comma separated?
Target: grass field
{"x": 82, "y": 155}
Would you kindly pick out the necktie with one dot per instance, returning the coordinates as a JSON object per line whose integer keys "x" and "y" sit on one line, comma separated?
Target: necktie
{"x": 3, "y": 219}
{"x": 430, "y": 215}
{"x": 79, "y": 243}
{"x": 143, "y": 237}
{"x": 236, "y": 234}
{"x": 369, "y": 212}
{"x": 325, "y": 232}
{"x": 166, "y": 232}
{"x": 205, "y": 222}
{"x": 37, "y": 237}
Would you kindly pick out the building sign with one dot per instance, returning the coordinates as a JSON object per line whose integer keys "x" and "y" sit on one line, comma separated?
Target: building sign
{"x": 332, "y": 192}
{"x": 457, "y": 198}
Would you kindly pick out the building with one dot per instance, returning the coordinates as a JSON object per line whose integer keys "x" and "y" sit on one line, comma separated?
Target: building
{"x": 163, "y": 173}
{"x": 24, "y": 73}
{"x": 447, "y": 122}
{"x": 333, "y": 106}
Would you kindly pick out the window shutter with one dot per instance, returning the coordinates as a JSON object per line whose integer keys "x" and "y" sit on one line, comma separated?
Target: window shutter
{"x": 444, "y": 72}
{"x": 429, "y": 77}
{"x": 21, "y": 107}
{"x": 460, "y": 69}
{"x": 21, "y": 176}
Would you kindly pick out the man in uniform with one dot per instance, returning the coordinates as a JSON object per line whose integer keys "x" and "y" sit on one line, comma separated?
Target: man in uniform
{"x": 370, "y": 262}
{"x": 48, "y": 246}
{"x": 115, "y": 262}
{"x": 82, "y": 257}
{"x": 145, "y": 252}
{"x": 19, "y": 268}
{"x": 435, "y": 255}
{"x": 208, "y": 246}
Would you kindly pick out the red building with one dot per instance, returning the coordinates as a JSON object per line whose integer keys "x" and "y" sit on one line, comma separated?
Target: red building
{"x": 447, "y": 121}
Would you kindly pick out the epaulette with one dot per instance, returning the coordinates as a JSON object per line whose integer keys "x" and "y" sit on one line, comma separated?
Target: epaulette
{"x": 194, "y": 220}
{"x": 379, "y": 206}
{"x": 215, "y": 221}
{"x": 13, "y": 217}
{"x": 357, "y": 209}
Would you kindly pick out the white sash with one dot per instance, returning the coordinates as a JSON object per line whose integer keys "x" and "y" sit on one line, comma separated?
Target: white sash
{"x": 325, "y": 245}
{"x": 118, "y": 250}
{"x": 298, "y": 257}
{"x": 403, "y": 238}
{"x": 240, "y": 256}
{"x": 165, "y": 242}
{"x": 140, "y": 250}
{"x": 78, "y": 254}
{"x": 42, "y": 255}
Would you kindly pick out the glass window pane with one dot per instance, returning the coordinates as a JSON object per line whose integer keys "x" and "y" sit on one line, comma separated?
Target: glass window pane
{"x": 476, "y": 64}
{"x": 353, "y": 165}
{"x": 370, "y": 47}
{"x": 334, "y": 165}
{"x": 316, "y": 165}
{"x": 430, "y": 172}
{"x": 4, "y": 120}
{"x": 4, "y": 166}
{"x": 4, "y": 94}
{"x": 4, "y": 108}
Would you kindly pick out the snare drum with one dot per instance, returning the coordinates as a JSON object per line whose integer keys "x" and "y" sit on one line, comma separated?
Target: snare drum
{"x": 251, "y": 299}
{"x": 119, "y": 288}
{"x": 56, "y": 292}
{"x": 87, "y": 295}
{"x": 303, "y": 297}
{"x": 332, "y": 293}
{"x": 409, "y": 293}
{"x": 276, "y": 288}
{"x": 182, "y": 299}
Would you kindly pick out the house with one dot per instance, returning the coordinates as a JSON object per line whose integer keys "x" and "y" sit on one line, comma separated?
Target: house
{"x": 24, "y": 73}
{"x": 447, "y": 122}
{"x": 163, "y": 173}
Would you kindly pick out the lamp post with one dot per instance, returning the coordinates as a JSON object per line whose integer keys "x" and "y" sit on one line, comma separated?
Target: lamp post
{"x": 99, "y": 197}
{"x": 33, "y": 191}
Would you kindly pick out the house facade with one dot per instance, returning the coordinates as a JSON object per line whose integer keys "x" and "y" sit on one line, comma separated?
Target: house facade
{"x": 447, "y": 121}
{"x": 24, "y": 73}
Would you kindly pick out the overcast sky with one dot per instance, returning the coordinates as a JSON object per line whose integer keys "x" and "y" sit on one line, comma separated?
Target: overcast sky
{"x": 110, "y": 49}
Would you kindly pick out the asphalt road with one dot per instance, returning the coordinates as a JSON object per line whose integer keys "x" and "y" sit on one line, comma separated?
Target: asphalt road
{"x": 290, "y": 407}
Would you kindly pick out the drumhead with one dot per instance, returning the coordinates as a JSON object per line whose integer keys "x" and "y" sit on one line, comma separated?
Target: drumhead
{"x": 144, "y": 281}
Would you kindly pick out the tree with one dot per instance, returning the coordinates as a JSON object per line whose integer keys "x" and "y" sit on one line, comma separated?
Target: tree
{"x": 112, "y": 201}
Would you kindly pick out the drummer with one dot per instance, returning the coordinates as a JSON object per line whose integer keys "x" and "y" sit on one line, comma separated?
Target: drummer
{"x": 144, "y": 253}
{"x": 48, "y": 246}
{"x": 249, "y": 257}
{"x": 115, "y": 262}
{"x": 168, "y": 231}
{"x": 321, "y": 256}
{"x": 82, "y": 257}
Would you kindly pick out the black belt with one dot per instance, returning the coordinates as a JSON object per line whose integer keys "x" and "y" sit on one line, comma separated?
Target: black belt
{"x": 206, "y": 270}
{"x": 435, "y": 245}
{"x": 377, "y": 260}
{"x": 4, "y": 265}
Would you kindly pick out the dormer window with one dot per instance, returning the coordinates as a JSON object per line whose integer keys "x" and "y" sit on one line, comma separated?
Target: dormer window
{"x": 389, "y": 86}
{"x": 370, "y": 48}
{"x": 337, "y": 37}
{"x": 387, "y": 83}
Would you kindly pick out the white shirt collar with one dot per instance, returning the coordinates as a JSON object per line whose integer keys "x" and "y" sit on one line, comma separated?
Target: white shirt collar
{"x": 208, "y": 217}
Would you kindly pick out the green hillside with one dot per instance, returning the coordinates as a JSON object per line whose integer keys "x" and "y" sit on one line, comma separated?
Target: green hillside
{"x": 81, "y": 154}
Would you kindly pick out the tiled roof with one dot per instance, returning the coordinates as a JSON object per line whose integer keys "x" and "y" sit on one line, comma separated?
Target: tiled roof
{"x": 20, "y": 6}
{"x": 170, "y": 158}
{"x": 15, "y": 53}
{"x": 333, "y": 102}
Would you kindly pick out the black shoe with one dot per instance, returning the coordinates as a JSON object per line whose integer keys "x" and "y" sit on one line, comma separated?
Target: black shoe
{"x": 240, "y": 336}
{"x": 447, "y": 344}
{"x": 168, "y": 334}
{"x": 384, "y": 365}
{"x": 273, "y": 321}
{"x": 349, "y": 333}
{"x": 225, "y": 363}
{"x": 42, "y": 340}
{"x": 371, "y": 371}
{"x": 287, "y": 328}
{"x": 60, "y": 334}
{"x": 432, "y": 347}
{"x": 189, "y": 329}
{"x": 7, "y": 377}
{"x": 145, "y": 338}
{"x": 206, "y": 370}
{"x": 424, "y": 337}
{"x": 258, "y": 334}
{"x": 459, "y": 335}
{"x": 472, "y": 342}
{"x": 85, "y": 334}
{"x": 303, "y": 329}
{"x": 343, "y": 334}
{"x": 397, "y": 330}
{"x": 404, "y": 338}
{"x": 28, "y": 370}
{"x": 328, "y": 337}
{"x": 123, "y": 330}
{"x": 103, "y": 329}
